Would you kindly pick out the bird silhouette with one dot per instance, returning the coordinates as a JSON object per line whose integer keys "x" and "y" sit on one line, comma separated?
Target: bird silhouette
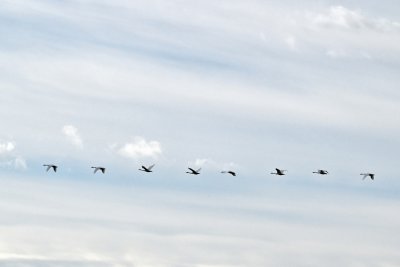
{"x": 147, "y": 169}
{"x": 279, "y": 172}
{"x": 50, "y": 166}
{"x": 370, "y": 175}
{"x": 230, "y": 172}
{"x": 322, "y": 172}
{"x": 195, "y": 172}
{"x": 102, "y": 169}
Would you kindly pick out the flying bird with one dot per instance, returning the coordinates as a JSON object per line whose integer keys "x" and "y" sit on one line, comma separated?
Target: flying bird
{"x": 370, "y": 175}
{"x": 147, "y": 169}
{"x": 322, "y": 172}
{"x": 279, "y": 172}
{"x": 50, "y": 166}
{"x": 195, "y": 172}
{"x": 230, "y": 172}
{"x": 102, "y": 169}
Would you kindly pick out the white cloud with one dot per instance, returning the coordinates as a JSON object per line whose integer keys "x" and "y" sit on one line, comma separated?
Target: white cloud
{"x": 341, "y": 17}
{"x": 72, "y": 135}
{"x": 6, "y": 147}
{"x": 139, "y": 147}
{"x": 9, "y": 158}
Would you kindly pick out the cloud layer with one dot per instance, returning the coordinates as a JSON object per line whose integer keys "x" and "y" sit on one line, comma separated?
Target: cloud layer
{"x": 119, "y": 225}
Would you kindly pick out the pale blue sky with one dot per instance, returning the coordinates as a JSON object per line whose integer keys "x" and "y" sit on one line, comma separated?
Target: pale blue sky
{"x": 243, "y": 85}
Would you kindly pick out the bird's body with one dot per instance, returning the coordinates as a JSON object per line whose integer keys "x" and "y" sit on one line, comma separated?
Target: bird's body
{"x": 147, "y": 169}
{"x": 322, "y": 172}
{"x": 194, "y": 172}
{"x": 370, "y": 175}
{"x": 279, "y": 172}
{"x": 230, "y": 172}
{"x": 102, "y": 169}
{"x": 50, "y": 166}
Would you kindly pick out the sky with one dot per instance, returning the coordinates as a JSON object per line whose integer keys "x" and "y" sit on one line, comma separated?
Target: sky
{"x": 247, "y": 86}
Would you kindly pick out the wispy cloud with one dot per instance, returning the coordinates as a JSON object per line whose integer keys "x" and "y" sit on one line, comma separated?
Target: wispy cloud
{"x": 344, "y": 18}
{"x": 72, "y": 135}
{"x": 20, "y": 163}
{"x": 148, "y": 227}
{"x": 16, "y": 163}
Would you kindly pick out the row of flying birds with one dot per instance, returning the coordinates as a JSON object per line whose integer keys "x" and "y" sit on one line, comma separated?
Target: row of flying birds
{"x": 197, "y": 172}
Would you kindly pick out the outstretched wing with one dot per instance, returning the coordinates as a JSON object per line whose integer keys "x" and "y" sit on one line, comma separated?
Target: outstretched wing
{"x": 54, "y": 168}
{"x": 48, "y": 168}
{"x": 191, "y": 170}
{"x": 103, "y": 170}
{"x": 198, "y": 170}
{"x": 95, "y": 170}
{"x": 364, "y": 176}
{"x": 151, "y": 167}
